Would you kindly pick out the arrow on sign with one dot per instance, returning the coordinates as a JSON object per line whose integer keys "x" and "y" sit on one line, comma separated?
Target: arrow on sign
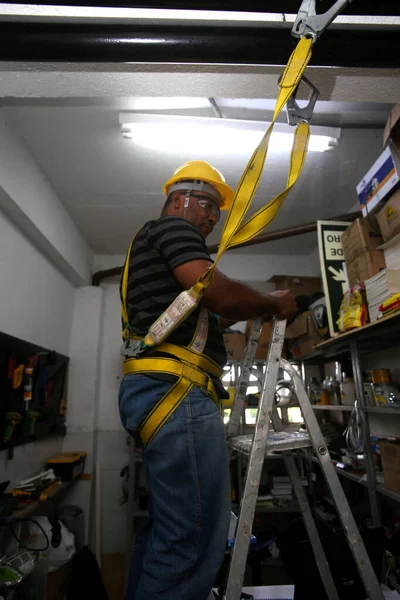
{"x": 338, "y": 275}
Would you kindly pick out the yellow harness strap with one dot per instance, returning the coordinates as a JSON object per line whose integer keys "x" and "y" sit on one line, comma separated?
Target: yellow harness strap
{"x": 188, "y": 376}
{"x": 200, "y": 361}
{"x": 234, "y": 233}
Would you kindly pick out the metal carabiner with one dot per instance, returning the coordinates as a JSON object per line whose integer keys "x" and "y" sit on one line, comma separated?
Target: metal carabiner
{"x": 298, "y": 114}
{"x": 309, "y": 24}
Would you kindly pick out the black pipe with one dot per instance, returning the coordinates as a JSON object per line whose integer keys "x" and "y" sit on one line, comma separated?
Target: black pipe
{"x": 261, "y": 239}
{"x": 52, "y": 42}
{"x": 281, "y": 234}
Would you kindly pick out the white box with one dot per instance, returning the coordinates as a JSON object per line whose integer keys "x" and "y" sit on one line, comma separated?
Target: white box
{"x": 379, "y": 182}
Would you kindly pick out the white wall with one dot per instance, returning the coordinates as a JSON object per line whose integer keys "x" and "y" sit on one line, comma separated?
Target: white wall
{"x": 36, "y": 305}
{"x": 36, "y": 300}
{"x": 28, "y": 198}
{"x": 43, "y": 256}
{"x": 112, "y": 449}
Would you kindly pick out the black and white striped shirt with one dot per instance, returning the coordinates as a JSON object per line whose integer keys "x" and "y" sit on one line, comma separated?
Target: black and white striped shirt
{"x": 160, "y": 247}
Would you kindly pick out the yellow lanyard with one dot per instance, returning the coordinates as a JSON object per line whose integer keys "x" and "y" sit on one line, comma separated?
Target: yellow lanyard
{"x": 234, "y": 231}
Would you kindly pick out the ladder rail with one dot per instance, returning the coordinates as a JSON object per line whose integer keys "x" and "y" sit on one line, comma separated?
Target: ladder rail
{"x": 240, "y": 396}
{"x": 301, "y": 496}
{"x": 361, "y": 558}
{"x": 255, "y": 464}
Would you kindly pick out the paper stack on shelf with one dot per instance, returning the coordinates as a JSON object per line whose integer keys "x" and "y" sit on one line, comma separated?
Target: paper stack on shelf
{"x": 391, "y": 251}
{"x": 282, "y": 488}
{"x": 379, "y": 288}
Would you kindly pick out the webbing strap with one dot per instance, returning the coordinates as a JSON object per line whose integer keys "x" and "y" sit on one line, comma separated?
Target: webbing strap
{"x": 164, "y": 409}
{"x": 201, "y": 361}
{"x": 187, "y": 377}
{"x": 233, "y": 233}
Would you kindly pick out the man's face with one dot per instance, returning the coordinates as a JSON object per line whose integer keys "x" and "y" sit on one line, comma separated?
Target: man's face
{"x": 202, "y": 211}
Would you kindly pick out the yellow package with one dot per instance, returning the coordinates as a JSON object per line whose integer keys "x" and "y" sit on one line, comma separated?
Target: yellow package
{"x": 353, "y": 311}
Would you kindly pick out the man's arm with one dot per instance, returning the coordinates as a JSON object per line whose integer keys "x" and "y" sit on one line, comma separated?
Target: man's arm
{"x": 225, "y": 323}
{"x": 234, "y": 300}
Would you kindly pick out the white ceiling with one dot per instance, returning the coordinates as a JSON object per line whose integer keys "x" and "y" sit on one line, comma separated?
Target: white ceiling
{"x": 110, "y": 186}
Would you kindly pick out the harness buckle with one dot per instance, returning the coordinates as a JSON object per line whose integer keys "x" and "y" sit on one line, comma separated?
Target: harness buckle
{"x": 309, "y": 24}
{"x": 298, "y": 114}
{"x": 131, "y": 348}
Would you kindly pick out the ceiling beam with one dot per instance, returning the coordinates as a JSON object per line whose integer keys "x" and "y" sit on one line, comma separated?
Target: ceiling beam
{"x": 357, "y": 7}
{"x": 243, "y": 45}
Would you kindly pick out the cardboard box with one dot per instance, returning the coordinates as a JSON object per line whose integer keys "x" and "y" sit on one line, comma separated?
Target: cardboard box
{"x": 265, "y": 338}
{"x": 390, "y": 455}
{"x": 319, "y": 313}
{"x": 303, "y": 335}
{"x": 299, "y": 286}
{"x": 392, "y": 127}
{"x": 365, "y": 266}
{"x": 389, "y": 217}
{"x": 380, "y": 181}
{"x": 235, "y": 345}
{"x": 359, "y": 238}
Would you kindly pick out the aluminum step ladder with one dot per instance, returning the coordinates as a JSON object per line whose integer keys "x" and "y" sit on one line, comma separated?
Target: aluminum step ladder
{"x": 256, "y": 446}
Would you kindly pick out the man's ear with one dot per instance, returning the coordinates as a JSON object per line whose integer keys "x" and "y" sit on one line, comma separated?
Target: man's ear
{"x": 177, "y": 199}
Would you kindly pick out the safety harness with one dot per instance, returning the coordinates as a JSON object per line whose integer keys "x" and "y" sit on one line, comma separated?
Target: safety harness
{"x": 190, "y": 365}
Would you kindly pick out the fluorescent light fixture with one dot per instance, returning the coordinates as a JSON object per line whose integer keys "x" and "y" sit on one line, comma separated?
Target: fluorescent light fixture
{"x": 215, "y": 136}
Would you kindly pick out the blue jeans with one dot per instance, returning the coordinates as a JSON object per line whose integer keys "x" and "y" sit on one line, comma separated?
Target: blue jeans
{"x": 179, "y": 551}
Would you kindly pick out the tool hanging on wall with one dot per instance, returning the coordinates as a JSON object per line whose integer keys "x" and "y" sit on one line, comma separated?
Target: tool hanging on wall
{"x": 17, "y": 375}
{"x": 28, "y": 384}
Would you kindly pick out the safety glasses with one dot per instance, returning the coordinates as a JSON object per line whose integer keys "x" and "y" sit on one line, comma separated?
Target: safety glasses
{"x": 207, "y": 204}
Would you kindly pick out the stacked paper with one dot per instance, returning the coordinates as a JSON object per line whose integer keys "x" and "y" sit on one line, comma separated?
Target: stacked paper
{"x": 391, "y": 250}
{"x": 282, "y": 488}
{"x": 379, "y": 288}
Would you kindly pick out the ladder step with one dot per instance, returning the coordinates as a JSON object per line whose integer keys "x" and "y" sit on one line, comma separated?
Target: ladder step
{"x": 278, "y": 441}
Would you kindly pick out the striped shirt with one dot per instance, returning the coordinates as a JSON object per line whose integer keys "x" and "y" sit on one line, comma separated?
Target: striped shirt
{"x": 160, "y": 247}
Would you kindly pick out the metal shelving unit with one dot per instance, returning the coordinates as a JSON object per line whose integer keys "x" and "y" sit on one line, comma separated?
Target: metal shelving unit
{"x": 341, "y": 407}
{"x": 358, "y": 343}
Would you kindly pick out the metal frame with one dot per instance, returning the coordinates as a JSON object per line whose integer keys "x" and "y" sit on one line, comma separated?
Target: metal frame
{"x": 238, "y": 406}
{"x": 361, "y": 558}
{"x": 371, "y": 473}
{"x": 319, "y": 553}
{"x": 257, "y": 454}
{"x": 257, "y": 451}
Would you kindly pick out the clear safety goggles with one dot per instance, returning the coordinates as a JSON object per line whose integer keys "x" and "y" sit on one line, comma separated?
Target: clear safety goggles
{"x": 207, "y": 204}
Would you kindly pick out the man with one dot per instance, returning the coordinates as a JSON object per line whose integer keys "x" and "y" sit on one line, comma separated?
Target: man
{"x": 178, "y": 553}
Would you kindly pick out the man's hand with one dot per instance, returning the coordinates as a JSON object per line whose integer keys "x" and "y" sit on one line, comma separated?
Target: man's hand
{"x": 283, "y": 304}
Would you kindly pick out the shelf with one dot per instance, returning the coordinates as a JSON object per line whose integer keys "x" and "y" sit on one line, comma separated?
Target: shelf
{"x": 368, "y": 338}
{"x": 291, "y": 508}
{"x": 277, "y": 509}
{"x": 354, "y": 476}
{"x": 341, "y": 407}
{"x": 32, "y": 507}
{"x": 393, "y": 582}
{"x": 137, "y": 512}
{"x": 383, "y": 410}
{"x": 369, "y": 329}
{"x": 380, "y": 488}
{"x": 357, "y": 477}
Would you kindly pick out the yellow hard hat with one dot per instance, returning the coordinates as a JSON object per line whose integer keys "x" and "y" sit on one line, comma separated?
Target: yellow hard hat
{"x": 200, "y": 170}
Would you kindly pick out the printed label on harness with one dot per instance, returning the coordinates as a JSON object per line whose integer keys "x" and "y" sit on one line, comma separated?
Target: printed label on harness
{"x": 198, "y": 344}
{"x": 177, "y": 312}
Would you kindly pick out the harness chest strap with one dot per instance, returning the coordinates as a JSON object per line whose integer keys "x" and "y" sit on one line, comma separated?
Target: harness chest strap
{"x": 188, "y": 376}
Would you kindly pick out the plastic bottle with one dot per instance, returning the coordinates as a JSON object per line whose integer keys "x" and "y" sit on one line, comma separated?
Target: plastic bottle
{"x": 314, "y": 390}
